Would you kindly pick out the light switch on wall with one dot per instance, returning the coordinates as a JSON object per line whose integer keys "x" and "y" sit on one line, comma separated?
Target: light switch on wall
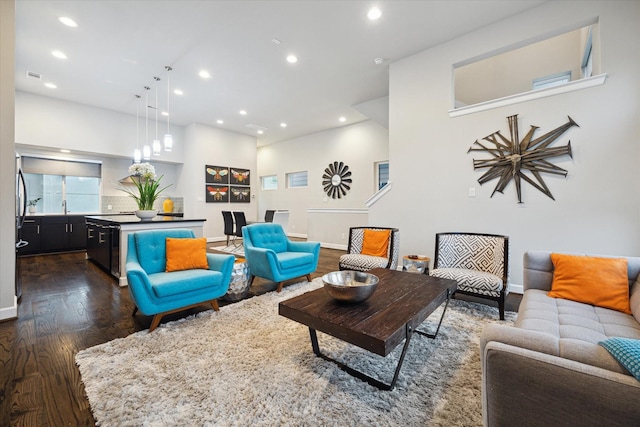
{"x": 472, "y": 192}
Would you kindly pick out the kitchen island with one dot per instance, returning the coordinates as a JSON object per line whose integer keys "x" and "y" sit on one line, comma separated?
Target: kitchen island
{"x": 107, "y": 237}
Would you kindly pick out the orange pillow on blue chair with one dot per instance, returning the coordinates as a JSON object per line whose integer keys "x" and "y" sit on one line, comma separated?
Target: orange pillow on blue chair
{"x": 186, "y": 254}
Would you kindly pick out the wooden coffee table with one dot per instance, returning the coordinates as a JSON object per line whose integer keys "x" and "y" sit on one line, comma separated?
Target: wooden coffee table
{"x": 401, "y": 302}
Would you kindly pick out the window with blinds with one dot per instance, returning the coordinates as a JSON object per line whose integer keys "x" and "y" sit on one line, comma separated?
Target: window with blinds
{"x": 63, "y": 186}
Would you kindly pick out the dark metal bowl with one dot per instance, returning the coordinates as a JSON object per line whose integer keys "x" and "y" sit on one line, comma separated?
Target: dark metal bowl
{"x": 350, "y": 286}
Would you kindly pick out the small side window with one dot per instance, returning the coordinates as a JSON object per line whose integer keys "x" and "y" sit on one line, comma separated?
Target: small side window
{"x": 297, "y": 179}
{"x": 269, "y": 182}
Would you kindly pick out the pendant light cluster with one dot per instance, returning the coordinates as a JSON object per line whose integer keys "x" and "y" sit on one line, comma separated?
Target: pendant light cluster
{"x": 155, "y": 147}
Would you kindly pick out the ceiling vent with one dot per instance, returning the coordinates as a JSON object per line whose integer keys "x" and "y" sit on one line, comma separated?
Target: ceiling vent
{"x": 256, "y": 127}
{"x": 34, "y": 75}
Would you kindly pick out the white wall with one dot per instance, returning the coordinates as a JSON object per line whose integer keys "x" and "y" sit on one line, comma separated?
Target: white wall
{"x": 205, "y": 145}
{"x": 597, "y": 205}
{"x": 51, "y": 123}
{"x": 359, "y": 146}
{"x": 8, "y": 308}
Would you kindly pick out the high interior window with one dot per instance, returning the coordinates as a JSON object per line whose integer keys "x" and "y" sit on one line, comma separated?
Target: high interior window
{"x": 509, "y": 71}
{"x": 382, "y": 174}
{"x": 297, "y": 179}
{"x": 62, "y": 186}
{"x": 269, "y": 182}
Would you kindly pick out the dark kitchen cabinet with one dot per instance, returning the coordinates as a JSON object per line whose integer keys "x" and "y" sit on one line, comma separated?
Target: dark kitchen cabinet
{"x": 55, "y": 233}
{"x": 77, "y": 233}
{"x": 99, "y": 244}
{"x": 30, "y": 232}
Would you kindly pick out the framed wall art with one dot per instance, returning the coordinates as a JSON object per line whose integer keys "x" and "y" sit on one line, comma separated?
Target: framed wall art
{"x": 239, "y": 176}
{"x": 217, "y": 193}
{"x": 216, "y": 174}
{"x": 240, "y": 194}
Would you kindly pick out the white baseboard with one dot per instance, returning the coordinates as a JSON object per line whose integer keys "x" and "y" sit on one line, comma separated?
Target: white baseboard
{"x": 333, "y": 246}
{"x": 10, "y": 312}
{"x": 515, "y": 289}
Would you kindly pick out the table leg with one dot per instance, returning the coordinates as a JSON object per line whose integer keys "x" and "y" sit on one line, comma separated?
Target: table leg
{"x": 360, "y": 375}
{"x": 435, "y": 334}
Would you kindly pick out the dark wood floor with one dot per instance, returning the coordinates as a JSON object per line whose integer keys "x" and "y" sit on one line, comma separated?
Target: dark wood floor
{"x": 68, "y": 304}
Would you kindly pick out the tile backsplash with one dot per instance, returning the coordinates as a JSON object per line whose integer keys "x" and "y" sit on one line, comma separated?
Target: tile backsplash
{"x": 128, "y": 204}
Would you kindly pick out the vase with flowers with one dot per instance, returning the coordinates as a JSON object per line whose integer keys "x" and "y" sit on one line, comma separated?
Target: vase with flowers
{"x": 148, "y": 188}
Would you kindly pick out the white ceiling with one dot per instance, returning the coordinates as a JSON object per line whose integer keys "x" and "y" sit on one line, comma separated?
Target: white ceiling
{"x": 119, "y": 46}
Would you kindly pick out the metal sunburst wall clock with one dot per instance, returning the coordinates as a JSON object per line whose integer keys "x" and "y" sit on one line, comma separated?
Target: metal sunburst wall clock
{"x": 336, "y": 180}
{"x": 518, "y": 160}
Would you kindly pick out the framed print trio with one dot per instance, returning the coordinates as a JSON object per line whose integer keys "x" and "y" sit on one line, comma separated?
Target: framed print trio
{"x": 227, "y": 184}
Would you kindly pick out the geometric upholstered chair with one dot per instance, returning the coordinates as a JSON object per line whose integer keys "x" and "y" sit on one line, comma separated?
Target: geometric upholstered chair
{"x": 157, "y": 292}
{"x": 478, "y": 262}
{"x": 272, "y": 256}
{"x": 379, "y": 249}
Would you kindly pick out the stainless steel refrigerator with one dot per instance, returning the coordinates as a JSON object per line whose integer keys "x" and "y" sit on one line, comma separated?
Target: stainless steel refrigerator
{"x": 21, "y": 211}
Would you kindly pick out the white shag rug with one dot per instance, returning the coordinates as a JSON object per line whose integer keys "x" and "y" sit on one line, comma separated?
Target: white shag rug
{"x": 248, "y": 366}
{"x": 234, "y": 250}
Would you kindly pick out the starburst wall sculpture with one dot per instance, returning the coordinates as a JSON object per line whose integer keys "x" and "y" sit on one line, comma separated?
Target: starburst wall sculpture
{"x": 521, "y": 160}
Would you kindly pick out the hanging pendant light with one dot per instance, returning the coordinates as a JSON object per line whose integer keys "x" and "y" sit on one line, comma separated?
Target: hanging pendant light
{"x": 137, "y": 154}
{"x": 157, "y": 148}
{"x": 146, "y": 149}
{"x": 168, "y": 139}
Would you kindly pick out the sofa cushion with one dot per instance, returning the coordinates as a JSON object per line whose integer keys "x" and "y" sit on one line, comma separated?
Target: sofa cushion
{"x": 471, "y": 280}
{"x": 592, "y": 280}
{"x": 186, "y": 254}
{"x": 576, "y": 327}
{"x": 626, "y": 351}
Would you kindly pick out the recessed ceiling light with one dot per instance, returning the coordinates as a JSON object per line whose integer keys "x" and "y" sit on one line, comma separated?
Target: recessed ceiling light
{"x": 220, "y": 121}
{"x": 276, "y": 41}
{"x": 260, "y": 132}
{"x": 378, "y": 61}
{"x": 283, "y": 125}
{"x": 342, "y": 119}
{"x": 59, "y": 54}
{"x": 178, "y": 92}
{"x": 50, "y": 85}
{"x": 242, "y": 112}
{"x": 164, "y": 113}
{"x": 68, "y": 21}
{"x": 374, "y": 13}
{"x": 65, "y": 151}
{"x": 204, "y": 74}
{"x": 292, "y": 59}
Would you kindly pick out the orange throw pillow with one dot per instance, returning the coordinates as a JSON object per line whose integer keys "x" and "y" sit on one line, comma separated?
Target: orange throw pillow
{"x": 186, "y": 254}
{"x": 375, "y": 242}
{"x": 601, "y": 282}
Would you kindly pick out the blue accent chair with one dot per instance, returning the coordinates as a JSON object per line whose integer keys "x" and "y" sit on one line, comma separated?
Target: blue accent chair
{"x": 271, "y": 255}
{"x": 157, "y": 292}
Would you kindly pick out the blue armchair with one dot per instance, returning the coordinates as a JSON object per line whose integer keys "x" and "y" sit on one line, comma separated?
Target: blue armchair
{"x": 271, "y": 255}
{"x": 157, "y": 292}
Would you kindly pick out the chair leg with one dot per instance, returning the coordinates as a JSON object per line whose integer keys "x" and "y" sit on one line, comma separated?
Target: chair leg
{"x": 280, "y": 286}
{"x": 135, "y": 310}
{"x": 155, "y": 322}
{"x": 214, "y": 304}
{"x": 501, "y": 306}
{"x": 308, "y": 277}
{"x": 227, "y": 240}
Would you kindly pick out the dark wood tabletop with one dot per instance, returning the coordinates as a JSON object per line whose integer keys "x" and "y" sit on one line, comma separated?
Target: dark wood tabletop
{"x": 379, "y": 323}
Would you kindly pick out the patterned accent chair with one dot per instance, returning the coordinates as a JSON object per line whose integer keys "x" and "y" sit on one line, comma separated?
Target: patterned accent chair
{"x": 478, "y": 262}
{"x": 271, "y": 255}
{"x": 354, "y": 260}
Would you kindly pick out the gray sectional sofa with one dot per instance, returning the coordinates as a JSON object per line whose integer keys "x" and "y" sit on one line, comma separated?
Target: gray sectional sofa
{"x": 549, "y": 370}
